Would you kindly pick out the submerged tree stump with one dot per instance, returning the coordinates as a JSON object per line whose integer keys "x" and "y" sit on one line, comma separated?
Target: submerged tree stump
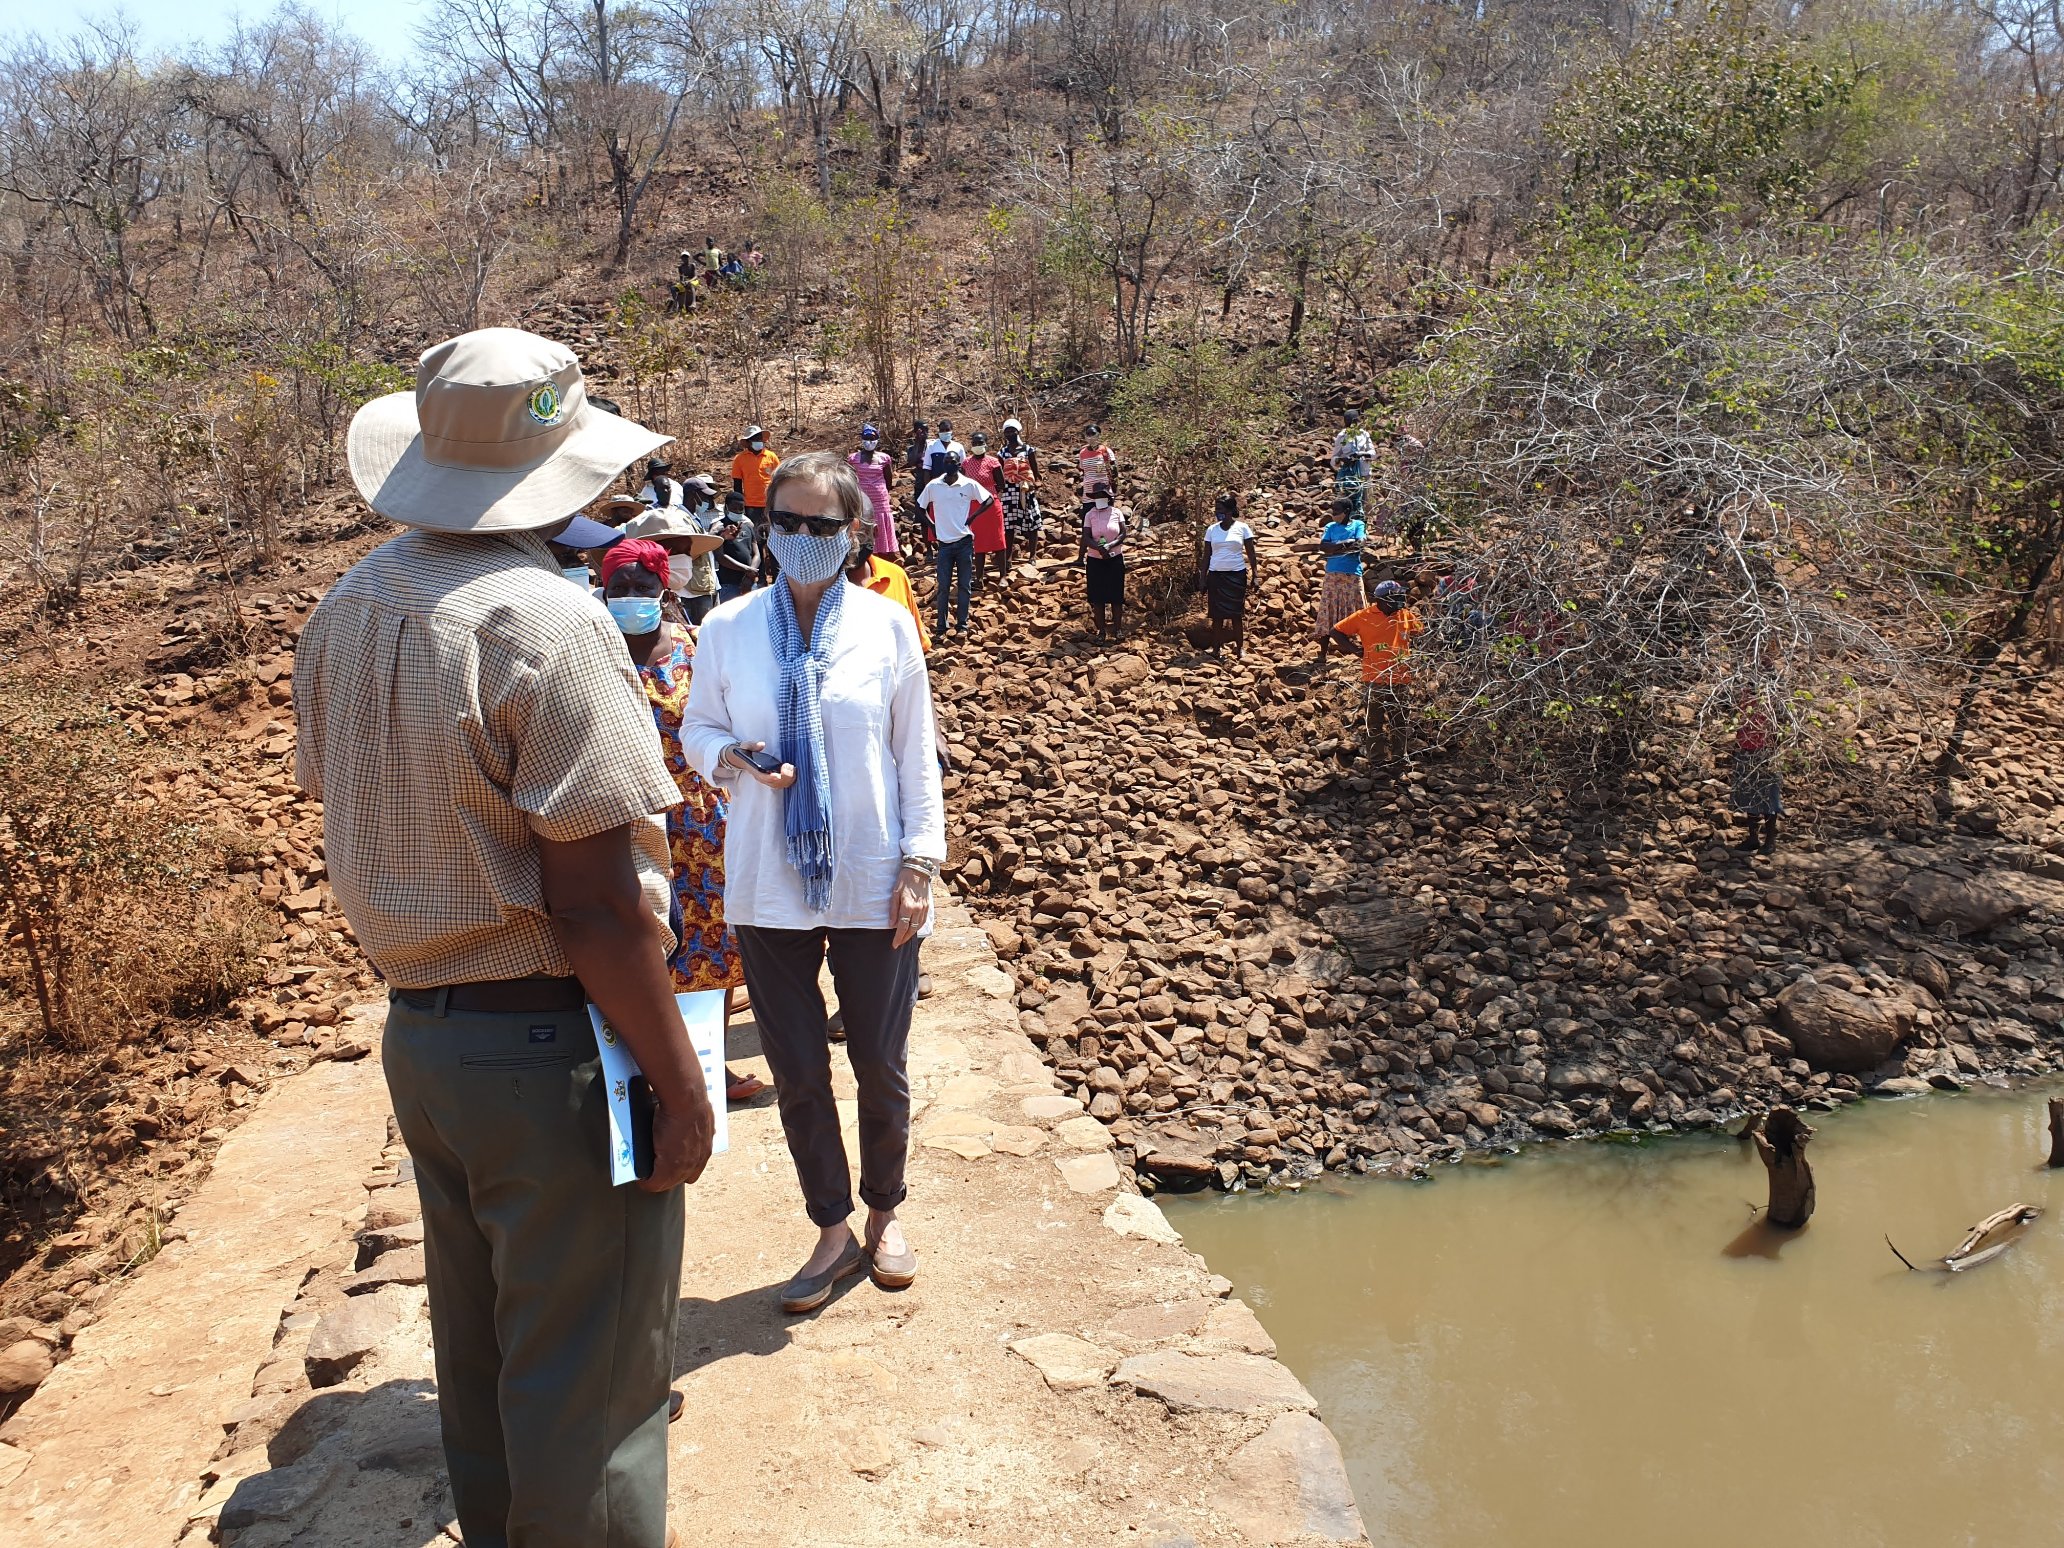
{"x": 2057, "y": 1131}
{"x": 1781, "y": 1141}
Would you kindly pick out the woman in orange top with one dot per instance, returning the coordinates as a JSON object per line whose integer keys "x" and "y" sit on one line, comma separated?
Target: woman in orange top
{"x": 1383, "y": 631}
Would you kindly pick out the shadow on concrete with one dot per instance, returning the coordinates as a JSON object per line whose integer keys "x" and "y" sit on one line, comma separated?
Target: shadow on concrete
{"x": 367, "y": 1466}
{"x": 750, "y": 1323}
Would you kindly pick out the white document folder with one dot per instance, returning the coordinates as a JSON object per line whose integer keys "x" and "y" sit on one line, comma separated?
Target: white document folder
{"x": 703, "y": 1015}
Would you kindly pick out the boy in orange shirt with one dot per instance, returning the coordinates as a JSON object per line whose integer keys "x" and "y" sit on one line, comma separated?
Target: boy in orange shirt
{"x": 1383, "y": 630}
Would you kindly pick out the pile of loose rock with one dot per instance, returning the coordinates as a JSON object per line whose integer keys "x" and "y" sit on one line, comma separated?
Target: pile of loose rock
{"x": 1253, "y": 961}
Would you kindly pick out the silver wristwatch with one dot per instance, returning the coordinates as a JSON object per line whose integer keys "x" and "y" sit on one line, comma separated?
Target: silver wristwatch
{"x": 923, "y": 863}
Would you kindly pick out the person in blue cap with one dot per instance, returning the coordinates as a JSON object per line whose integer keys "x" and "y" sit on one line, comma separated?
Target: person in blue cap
{"x": 582, "y": 537}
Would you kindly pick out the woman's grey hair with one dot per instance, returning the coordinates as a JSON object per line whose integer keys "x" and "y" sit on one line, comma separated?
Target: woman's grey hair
{"x": 827, "y": 472}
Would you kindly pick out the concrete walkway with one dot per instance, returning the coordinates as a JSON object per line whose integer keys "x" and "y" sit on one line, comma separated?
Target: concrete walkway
{"x": 1063, "y": 1372}
{"x": 111, "y": 1448}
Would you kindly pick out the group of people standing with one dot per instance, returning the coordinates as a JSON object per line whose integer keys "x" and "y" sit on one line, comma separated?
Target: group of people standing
{"x": 545, "y": 788}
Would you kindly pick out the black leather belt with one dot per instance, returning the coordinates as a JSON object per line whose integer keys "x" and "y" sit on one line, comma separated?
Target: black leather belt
{"x": 500, "y": 995}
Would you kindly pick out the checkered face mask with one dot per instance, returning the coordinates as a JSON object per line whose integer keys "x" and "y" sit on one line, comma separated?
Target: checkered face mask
{"x": 808, "y": 560}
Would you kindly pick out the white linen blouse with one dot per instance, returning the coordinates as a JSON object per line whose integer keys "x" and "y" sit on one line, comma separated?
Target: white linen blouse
{"x": 886, "y": 800}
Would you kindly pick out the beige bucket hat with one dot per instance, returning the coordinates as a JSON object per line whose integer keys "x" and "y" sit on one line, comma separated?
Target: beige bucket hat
{"x": 498, "y": 436}
{"x": 672, "y": 524}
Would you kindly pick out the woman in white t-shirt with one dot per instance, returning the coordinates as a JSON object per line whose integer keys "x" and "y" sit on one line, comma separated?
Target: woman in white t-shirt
{"x": 1229, "y": 565}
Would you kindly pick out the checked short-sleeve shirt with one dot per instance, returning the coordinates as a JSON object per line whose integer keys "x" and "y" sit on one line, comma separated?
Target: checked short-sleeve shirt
{"x": 457, "y": 700}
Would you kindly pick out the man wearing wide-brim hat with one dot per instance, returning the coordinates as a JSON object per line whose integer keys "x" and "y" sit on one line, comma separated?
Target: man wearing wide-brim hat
{"x": 491, "y": 795}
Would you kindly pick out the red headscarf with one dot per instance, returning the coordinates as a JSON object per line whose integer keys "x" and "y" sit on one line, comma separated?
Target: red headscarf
{"x": 642, "y": 552}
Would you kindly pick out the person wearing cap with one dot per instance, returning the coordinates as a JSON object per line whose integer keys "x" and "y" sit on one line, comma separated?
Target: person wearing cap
{"x": 738, "y": 556}
{"x": 634, "y": 589}
{"x": 952, "y": 499}
{"x": 1097, "y": 463}
{"x": 493, "y": 803}
{"x": 752, "y": 465}
{"x": 830, "y": 853}
{"x": 987, "y": 527}
{"x": 1020, "y": 488}
{"x": 1383, "y": 632}
{"x": 876, "y": 471}
{"x": 573, "y": 559}
{"x": 942, "y": 446}
{"x": 661, "y": 491}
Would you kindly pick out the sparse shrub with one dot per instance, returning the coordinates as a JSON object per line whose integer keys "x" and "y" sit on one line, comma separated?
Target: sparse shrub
{"x": 113, "y": 910}
{"x": 1202, "y": 420}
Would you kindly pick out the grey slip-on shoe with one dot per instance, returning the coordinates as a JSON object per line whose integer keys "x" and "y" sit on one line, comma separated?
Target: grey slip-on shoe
{"x": 807, "y": 1292}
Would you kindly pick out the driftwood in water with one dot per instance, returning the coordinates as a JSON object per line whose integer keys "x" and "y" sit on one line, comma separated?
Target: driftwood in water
{"x": 2057, "y": 1131}
{"x": 1781, "y": 1140}
{"x": 1984, "y": 1241}
{"x": 1990, "y": 1237}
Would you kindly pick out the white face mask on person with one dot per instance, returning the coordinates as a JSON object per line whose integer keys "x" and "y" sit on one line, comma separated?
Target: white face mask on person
{"x": 809, "y": 560}
{"x": 680, "y": 570}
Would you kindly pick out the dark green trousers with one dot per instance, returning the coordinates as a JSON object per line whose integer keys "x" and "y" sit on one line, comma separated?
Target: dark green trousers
{"x": 552, "y": 1294}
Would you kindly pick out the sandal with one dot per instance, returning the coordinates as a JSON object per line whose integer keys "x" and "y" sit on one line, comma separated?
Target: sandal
{"x": 742, "y": 1088}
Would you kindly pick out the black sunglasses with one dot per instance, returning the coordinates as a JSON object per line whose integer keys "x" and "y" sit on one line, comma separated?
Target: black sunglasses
{"x": 816, "y": 526}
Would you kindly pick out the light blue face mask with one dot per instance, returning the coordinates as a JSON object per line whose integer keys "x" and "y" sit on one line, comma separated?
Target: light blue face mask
{"x": 635, "y": 615}
{"x": 806, "y": 559}
{"x": 578, "y": 574}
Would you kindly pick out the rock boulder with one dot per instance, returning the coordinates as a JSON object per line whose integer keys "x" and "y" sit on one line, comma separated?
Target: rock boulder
{"x": 23, "y": 1365}
{"x": 1970, "y": 905}
{"x": 1835, "y": 1025}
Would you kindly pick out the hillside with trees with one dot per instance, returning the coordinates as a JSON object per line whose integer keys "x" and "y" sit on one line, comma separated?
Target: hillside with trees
{"x": 1720, "y": 345}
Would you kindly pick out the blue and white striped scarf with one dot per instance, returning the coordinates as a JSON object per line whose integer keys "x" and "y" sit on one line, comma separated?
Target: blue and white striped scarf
{"x": 806, "y": 805}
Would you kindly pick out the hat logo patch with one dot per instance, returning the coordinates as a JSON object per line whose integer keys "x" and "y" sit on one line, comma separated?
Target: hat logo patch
{"x": 546, "y": 406}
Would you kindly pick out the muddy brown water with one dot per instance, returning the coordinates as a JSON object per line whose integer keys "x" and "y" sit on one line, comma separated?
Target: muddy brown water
{"x": 1582, "y": 1345}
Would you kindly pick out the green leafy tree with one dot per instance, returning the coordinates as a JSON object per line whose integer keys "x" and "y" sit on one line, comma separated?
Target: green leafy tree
{"x": 1707, "y": 121}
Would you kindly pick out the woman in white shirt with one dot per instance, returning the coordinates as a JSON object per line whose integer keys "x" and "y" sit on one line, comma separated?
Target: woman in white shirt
{"x": 832, "y": 845}
{"x": 1229, "y": 566}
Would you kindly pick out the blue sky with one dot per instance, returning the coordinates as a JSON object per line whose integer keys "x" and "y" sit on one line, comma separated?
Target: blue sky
{"x": 387, "y": 25}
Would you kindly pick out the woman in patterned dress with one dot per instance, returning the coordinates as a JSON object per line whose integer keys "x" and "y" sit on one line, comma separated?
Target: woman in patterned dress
{"x": 1020, "y": 460}
{"x": 704, "y": 957}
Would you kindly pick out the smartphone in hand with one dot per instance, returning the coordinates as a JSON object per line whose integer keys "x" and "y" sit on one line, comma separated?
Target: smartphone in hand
{"x": 765, "y": 762}
{"x": 643, "y": 1106}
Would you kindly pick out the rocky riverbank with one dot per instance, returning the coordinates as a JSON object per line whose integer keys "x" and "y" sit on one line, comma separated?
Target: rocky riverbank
{"x": 1253, "y": 962}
